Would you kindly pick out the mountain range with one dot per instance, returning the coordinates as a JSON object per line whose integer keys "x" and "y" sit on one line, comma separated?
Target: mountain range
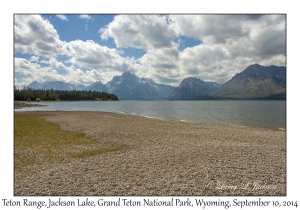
{"x": 130, "y": 87}
{"x": 255, "y": 82}
{"x": 55, "y": 85}
{"x": 190, "y": 88}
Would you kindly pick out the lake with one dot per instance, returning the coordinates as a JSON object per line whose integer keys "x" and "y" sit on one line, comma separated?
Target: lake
{"x": 254, "y": 113}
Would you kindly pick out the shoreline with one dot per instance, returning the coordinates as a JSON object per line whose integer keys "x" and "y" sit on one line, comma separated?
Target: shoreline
{"x": 23, "y": 104}
{"x": 163, "y": 158}
{"x": 149, "y": 117}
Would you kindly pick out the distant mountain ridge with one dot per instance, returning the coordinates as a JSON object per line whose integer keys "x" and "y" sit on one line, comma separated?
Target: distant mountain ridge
{"x": 255, "y": 82}
{"x": 55, "y": 85}
{"x": 97, "y": 86}
{"x": 127, "y": 87}
{"x": 191, "y": 88}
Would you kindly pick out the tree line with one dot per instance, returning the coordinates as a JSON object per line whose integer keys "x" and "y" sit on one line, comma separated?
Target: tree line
{"x": 29, "y": 94}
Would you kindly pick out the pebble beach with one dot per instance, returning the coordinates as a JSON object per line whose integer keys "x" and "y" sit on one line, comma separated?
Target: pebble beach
{"x": 163, "y": 158}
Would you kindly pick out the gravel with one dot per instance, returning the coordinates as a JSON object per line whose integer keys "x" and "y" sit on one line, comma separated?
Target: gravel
{"x": 164, "y": 158}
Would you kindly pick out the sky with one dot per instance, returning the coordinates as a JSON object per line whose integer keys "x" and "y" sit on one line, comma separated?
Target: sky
{"x": 86, "y": 48}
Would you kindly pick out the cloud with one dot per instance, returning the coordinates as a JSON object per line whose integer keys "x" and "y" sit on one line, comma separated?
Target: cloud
{"x": 104, "y": 33}
{"x": 35, "y": 35}
{"x": 86, "y": 17}
{"x": 229, "y": 43}
{"x": 211, "y": 29}
{"x": 269, "y": 39}
{"x": 56, "y": 64}
{"x": 89, "y": 54}
{"x": 86, "y": 27}
{"x": 161, "y": 63}
{"x": 34, "y": 58}
{"x": 62, "y": 17}
{"x": 139, "y": 31}
{"x": 264, "y": 34}
{"x": 35, "y": 72}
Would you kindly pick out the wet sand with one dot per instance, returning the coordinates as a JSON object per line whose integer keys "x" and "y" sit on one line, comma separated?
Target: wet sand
{"x": 164, "y": 158}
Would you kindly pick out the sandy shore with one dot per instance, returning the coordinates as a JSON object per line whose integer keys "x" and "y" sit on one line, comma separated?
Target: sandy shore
{"x": 164, "y": 158}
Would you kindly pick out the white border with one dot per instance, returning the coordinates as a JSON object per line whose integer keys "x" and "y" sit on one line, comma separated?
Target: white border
{"x": 156, "y": 6}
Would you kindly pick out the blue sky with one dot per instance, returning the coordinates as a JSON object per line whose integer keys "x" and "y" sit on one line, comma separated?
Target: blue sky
{"x": 83, "y": 49}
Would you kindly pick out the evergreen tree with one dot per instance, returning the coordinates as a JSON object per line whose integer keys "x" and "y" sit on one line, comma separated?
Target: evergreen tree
{"x": 53, "y": 95}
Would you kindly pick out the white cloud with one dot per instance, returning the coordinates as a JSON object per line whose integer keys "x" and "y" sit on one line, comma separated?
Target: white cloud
{"x": 62, "y": 17}
{"x": 212, "y": 29}
{"x": 86, "y": 27}
{"x": 244, "y": 35}
{"x": 104, "y": 33}
{"x": 162, "y": 64}
{"x": 139, "y": 31}
{"x": 34, "y": 58}
{"x": 91, "y": 55}
{"x": 74, "y": 75}
{"x": 56, "y": 64}
{"x": 120, "y": 51}
{"x": 229, "y": 43}
{"x": 34, "y": 72}
{"x": 86, "y": 17}
{"x": 207, "y": 62}
{"x": 44, "y": 61}
{"x": 35, "y": 35}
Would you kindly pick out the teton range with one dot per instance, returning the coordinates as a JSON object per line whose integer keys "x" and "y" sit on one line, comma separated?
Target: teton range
{"x": 255, "y": 82}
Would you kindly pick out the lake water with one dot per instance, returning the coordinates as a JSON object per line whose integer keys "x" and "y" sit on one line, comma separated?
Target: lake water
{"x": 254, "y": 113}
